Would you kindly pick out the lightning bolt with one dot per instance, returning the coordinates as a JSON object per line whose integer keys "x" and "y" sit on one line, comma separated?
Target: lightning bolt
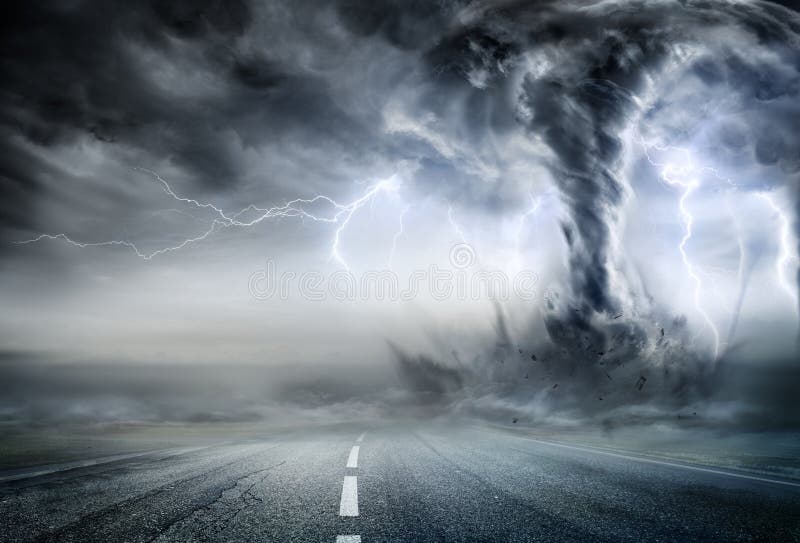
{"x": 517, "y": 260}
{"x": 339, "y": 214}
{"x": 698, "y": 284}
{"x": 455, "y": 225}
{"x": 397, "y": 236}
{"x": 123, "y": 243}
{"x": 683, "y": 176}
{"x": 349, "y": 210}
{"x": 741, "y": 274}
{"x": 786, "y": 254}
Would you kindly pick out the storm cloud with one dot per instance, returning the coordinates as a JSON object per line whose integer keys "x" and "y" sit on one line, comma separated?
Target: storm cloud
{"x": 477, "y": 108}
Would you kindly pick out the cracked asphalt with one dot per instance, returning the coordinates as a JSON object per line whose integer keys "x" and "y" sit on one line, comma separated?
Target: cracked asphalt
{"x": 415, "y": 483}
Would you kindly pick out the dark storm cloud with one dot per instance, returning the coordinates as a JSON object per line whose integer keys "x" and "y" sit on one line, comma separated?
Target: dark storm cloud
{"x": 67, "y": 71}
{"x": 408, "y": 24}
{"x": 104, "y": 70}
{"x": 200, "y": 84}
{"x": 162, "y": 81}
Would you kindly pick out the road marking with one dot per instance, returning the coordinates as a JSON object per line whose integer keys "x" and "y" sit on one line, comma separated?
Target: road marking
{"x": 352, "y": 460}
{"x": 664, "y": 463}
{"x": 349, "y": 504}
{"x": 361, "y": 437}
{"x": 16, "y": 475}
{"x": 348, "y": 539}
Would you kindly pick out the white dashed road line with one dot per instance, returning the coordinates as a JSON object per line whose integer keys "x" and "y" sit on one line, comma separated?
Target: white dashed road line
{"x": 349, "y": 504}
{"x": 348, "y": 507}
{"x": 352, "y": 460}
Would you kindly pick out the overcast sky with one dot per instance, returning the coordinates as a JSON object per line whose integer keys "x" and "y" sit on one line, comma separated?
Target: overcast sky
{"x": 633, "y": 165}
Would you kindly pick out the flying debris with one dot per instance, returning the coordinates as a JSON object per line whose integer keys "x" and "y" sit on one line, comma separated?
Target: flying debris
{"x": 640, "y": 382}
{"x": 514, "y": 420}
{"x": 533, "y": 357}
{"x": 555, "y": 386}
{"x": 617, "y": 316}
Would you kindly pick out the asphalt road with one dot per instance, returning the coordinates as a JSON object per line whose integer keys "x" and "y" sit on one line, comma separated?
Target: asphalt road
{"x": 403, "y": 483}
